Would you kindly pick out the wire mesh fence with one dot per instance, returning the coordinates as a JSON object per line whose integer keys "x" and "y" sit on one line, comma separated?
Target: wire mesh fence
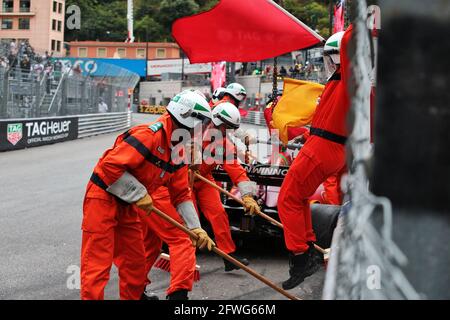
{"x": 366, "y": 262}
{"x": 58, "y": 89}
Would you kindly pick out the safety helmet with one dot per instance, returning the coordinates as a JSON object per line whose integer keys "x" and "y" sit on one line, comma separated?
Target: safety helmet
{"x": 217, "y": 95}
{"x": 237, "y": 91}
{"x": 331, "y": 53}
{"x": 226, "y": 113}
{"x": 189, "y": 109}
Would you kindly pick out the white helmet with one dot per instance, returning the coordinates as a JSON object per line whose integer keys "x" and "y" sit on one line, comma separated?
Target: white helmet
{"x": 196, "y": 91}
{"x": 226, "y": 113}
{"x": 217, "y": 95}
{"x": 189, "y": 109}
{"x": 331, "y": 53}
{"x": 237, "y": 91}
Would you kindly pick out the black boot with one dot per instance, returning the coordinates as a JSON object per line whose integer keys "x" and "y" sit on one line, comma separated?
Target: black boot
{"x": 178, "y": 295}
{"x": 149, "y": 296}
{"x": 300, "y": 267}
{"x": 230, "y": 267}
{"x": 315, "y": 254}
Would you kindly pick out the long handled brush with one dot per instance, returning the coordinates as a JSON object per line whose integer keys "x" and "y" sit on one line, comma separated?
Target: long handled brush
{"x": 226, "y": 256}
{"x": 325, "y": 252}
{"x": 163, "y": 263}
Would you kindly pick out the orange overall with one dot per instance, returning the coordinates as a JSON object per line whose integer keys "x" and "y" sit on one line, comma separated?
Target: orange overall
{"x": 112, "y": 231}
{"x": 207, "y": 198}
{"x": 322, "y": 156}
{"x": 157, "y": 230}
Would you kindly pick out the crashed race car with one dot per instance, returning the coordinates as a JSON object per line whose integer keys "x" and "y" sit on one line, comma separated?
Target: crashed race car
{"x": 269, "y": 179}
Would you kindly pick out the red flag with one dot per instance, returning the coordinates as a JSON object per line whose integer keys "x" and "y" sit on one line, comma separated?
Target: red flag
{"x": 242, "y": 31}
{"x": 339, "y": 22}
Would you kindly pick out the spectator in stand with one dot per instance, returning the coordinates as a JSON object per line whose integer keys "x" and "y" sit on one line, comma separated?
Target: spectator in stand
{"x": 49, "y": 73}
{"x": 308, "y": 69}
{"x": 283, "y": 71}
{"x": 38, "y": 69}
{"x": 4, "y": 63}
{"x": 13, "y": 48}
{"x": 76, "y": 70}
{"x": 25, "y": 65}
{"x": 57, "y": 70}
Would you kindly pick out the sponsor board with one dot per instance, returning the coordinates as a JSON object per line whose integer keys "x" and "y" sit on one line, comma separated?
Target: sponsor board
{"x": 143, "y": 108}
{"x": 158, "y": 67}
{"x": 262, "y": 174}
{"x": 23, "y": 133}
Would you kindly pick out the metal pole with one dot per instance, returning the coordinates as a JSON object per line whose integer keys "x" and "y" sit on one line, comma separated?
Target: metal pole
{"x": 331, "y": 17}
{"x": 146, "y": 54}
{"x": 182, "y": 68}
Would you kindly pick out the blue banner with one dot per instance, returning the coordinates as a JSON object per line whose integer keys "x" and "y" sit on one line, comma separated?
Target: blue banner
{"x": 102, "y": 67}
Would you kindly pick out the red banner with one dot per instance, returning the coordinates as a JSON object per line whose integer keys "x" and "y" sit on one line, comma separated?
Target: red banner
{"x": 339, "y": 18}
{"x": 242, "y": 31}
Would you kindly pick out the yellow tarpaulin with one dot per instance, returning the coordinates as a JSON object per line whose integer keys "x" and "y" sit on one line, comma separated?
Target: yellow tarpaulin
{"x": 296, "y": 106}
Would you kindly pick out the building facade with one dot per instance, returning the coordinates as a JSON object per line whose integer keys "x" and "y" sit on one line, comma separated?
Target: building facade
{"x": 135, "y": 50}
{"x": 41, "y": 22}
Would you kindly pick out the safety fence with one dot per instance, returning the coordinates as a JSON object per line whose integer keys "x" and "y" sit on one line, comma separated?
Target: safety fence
{"x": 93, "y": 124}
{"x": 62, "y": 90}
{"x": 25, "y": 133}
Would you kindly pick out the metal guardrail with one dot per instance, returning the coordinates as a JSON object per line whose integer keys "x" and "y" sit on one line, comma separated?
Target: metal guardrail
{"x": 94, "y": 124}
{"x": 254, "y": 117}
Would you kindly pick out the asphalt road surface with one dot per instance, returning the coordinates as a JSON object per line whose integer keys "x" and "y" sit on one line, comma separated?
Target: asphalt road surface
{"x": 41, "y": 193}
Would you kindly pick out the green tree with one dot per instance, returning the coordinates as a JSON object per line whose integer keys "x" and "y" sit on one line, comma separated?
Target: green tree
{"x": 314, "y": 14}
{"x": 170, "y": 10}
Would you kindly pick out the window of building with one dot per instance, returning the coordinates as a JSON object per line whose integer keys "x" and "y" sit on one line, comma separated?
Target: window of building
{"x": 53, "y": 45}
{"x": 24, "y": 23}
{"x": 8, "y": 5}
{"x": 59, "y": 25}
{"x": 55, "y": 6}
{"x": 82, "y": 52}
{"x": 101, "y": 52}
{"x": 140, "y": 53}
{"x": 122, "y": 52}
{"x": 59, "y": 7}
{"x": 53, "y": 24}
{"x": 24, "y": 5}
{"x": 160, "y": 53}
{"x": 7, "y": 24}
{"x": 58, "y": 46}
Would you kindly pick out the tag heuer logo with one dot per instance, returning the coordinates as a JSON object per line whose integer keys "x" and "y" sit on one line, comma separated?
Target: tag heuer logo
{"x": 14, "y": 133}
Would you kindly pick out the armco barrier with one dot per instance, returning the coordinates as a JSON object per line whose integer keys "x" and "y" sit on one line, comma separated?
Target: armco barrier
{"x": 25, "y": 133}
{"x": 255, "y": 117}
{"x": 93, "y": 124}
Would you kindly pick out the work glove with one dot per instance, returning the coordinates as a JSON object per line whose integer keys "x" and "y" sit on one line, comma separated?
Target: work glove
{"x": 250, "y": 205}
{"x": 203, "y": 241}
{"x": 145, "y": 203}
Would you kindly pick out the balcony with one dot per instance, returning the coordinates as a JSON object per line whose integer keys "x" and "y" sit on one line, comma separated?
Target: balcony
{"x": 17, "y": 14}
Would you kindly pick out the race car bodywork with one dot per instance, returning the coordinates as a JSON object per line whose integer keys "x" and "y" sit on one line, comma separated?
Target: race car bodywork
{"x": 269, "y": 179}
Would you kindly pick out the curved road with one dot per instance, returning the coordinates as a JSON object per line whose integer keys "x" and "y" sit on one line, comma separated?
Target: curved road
{"x": 41, "y": 193}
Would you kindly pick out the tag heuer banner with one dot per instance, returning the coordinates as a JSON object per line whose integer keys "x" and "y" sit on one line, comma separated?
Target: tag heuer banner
{"x": 23, "y": 133}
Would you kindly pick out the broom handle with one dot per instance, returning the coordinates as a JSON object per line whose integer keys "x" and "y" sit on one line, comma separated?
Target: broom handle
{"x": 225, "y": 256}
{"x": 263, "y": 215}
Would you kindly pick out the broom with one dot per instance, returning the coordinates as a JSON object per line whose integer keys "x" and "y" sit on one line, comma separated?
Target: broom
{"x": 225, "y": 256}
{"x": 325, "y": 252}
{"x": 163, "y": 263}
